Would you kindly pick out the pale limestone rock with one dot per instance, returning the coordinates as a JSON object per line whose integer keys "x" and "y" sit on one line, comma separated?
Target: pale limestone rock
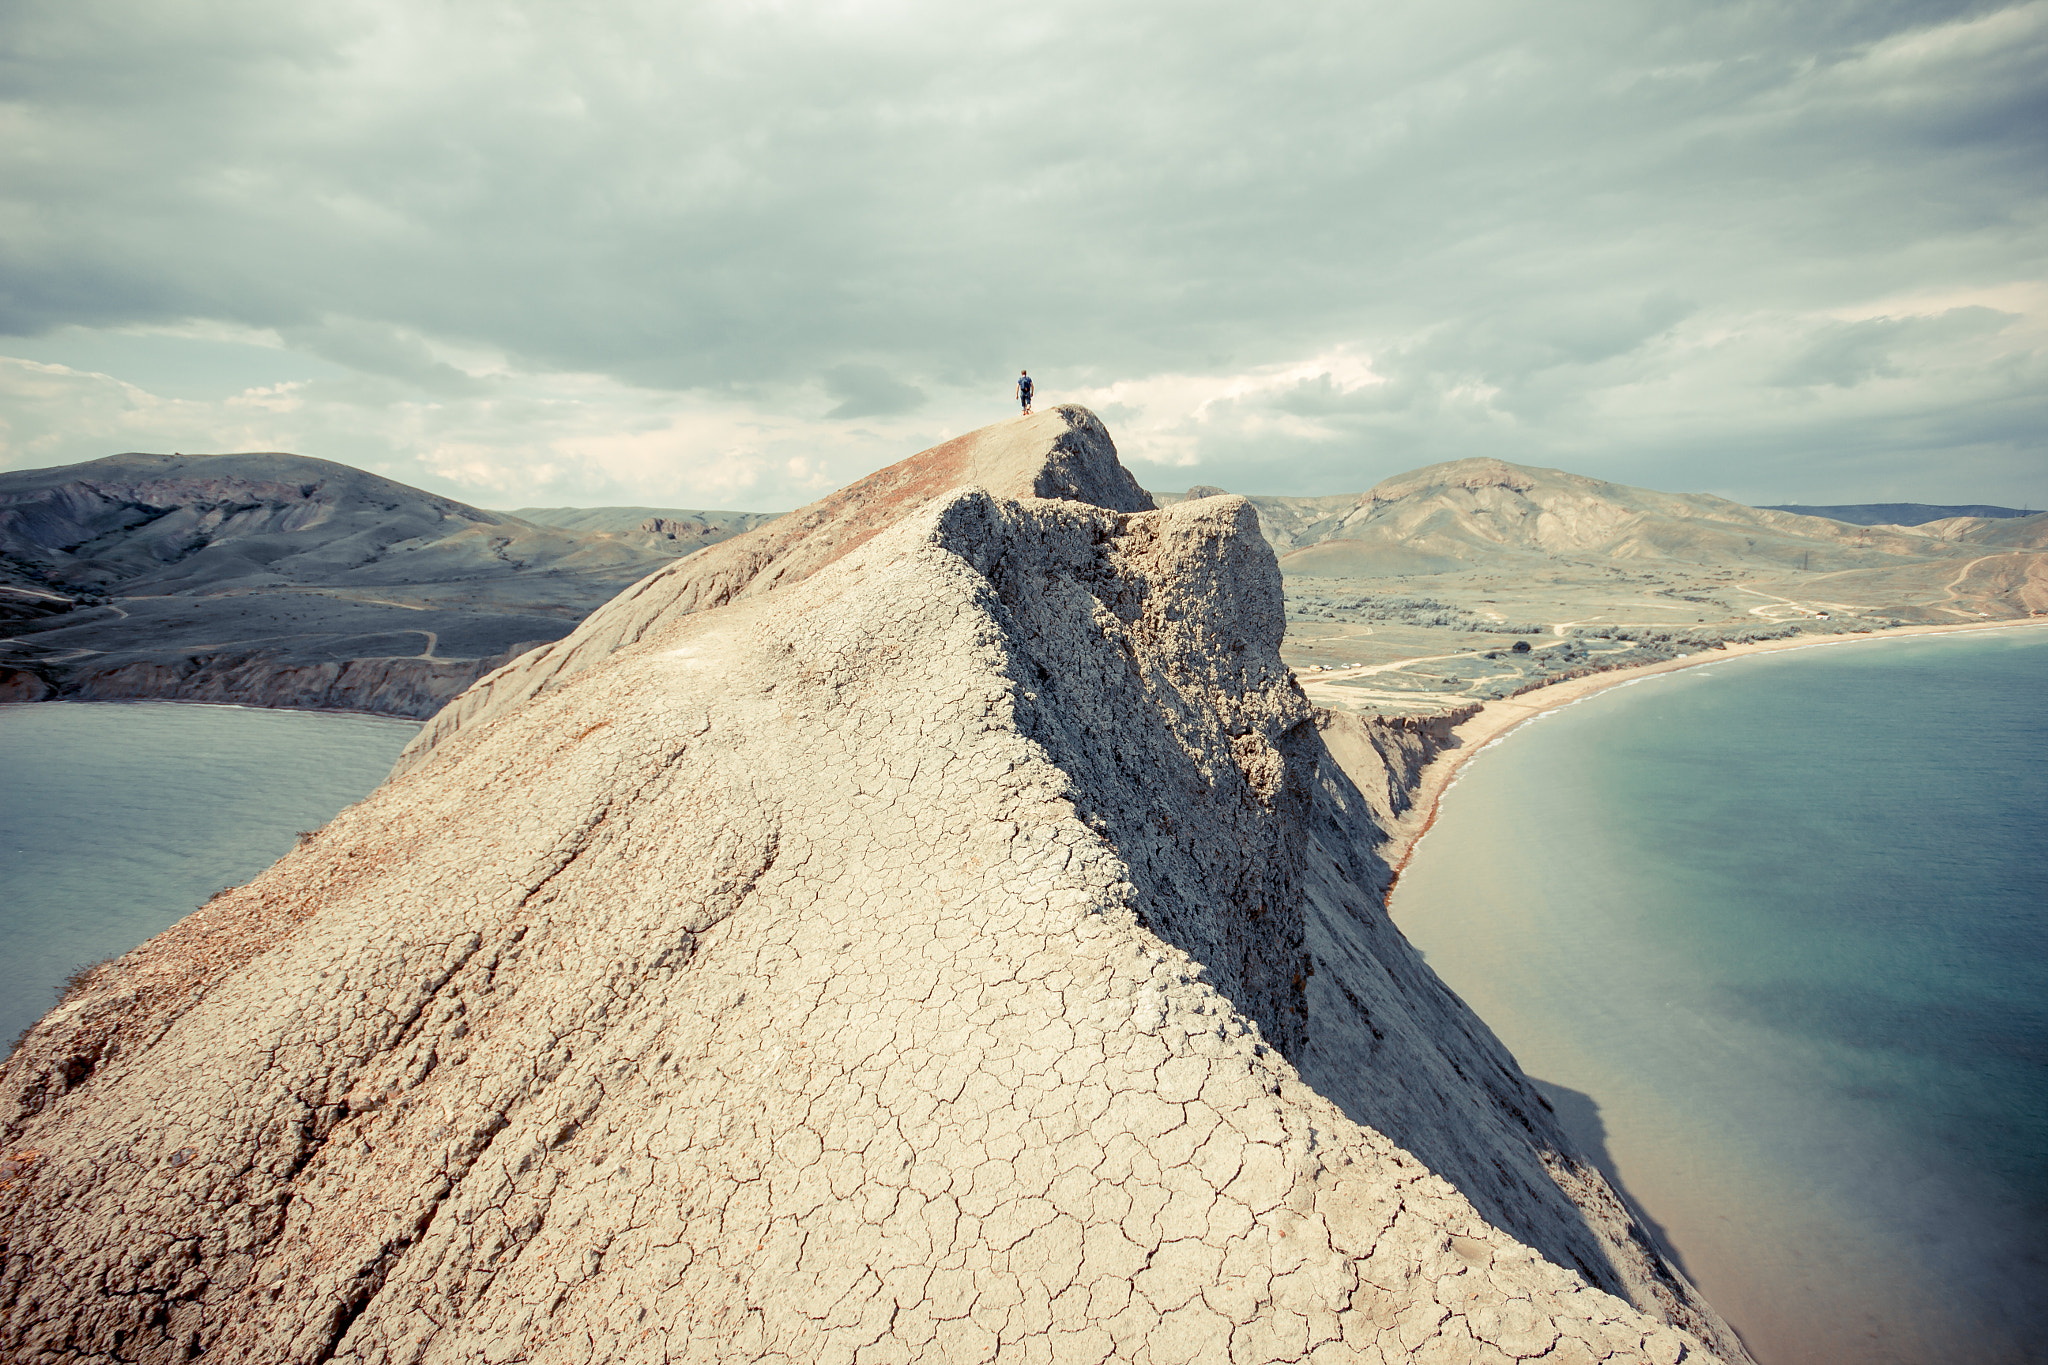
{"x": 965, "y": 951}
{"x": 1063, "y": 452}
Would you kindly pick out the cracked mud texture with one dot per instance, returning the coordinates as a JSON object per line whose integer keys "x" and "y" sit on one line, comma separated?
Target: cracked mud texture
{"x": 967, "y": 952}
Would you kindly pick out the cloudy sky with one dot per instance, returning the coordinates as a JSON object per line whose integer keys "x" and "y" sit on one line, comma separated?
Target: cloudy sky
{"x": 733, "y": 254}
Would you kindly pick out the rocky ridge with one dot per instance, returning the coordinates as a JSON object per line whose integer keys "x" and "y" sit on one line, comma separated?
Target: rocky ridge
{"x": 1063, "y": 452}
{"x": 947, "y": 938}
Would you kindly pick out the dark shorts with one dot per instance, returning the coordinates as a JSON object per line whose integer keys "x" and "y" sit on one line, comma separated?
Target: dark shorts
{"x": 1025, "y": 399}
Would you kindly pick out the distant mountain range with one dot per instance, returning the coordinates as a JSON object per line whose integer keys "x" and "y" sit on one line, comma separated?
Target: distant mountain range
{"x": 666, "y": 523}
{"x": 1896, "y": 513}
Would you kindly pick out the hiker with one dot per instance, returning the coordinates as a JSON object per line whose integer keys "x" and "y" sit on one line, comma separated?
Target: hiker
{"x": 1024, "y": 389}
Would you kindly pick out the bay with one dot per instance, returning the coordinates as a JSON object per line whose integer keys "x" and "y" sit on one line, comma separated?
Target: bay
{"x": 119, "y": 818}
{"x": 1773, "y": 934}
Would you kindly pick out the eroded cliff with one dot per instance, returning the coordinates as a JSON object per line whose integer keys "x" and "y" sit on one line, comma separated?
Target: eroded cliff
{"x": 967, "y": 950}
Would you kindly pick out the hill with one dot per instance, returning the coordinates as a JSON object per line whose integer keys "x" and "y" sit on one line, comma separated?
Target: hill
{"x": 1446, "y": 518}
{"x": 1472, "y": 512}
{"x": 948, "y": 939}
{"x": 282, "y": 580}
{"x": 2018, "y": 533}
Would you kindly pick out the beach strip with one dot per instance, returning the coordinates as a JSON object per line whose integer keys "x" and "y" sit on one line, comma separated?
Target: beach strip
{"x": 1496, "y": 718}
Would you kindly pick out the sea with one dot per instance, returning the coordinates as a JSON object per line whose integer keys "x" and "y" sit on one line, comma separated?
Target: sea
{"x": 1772, "y": 936}
{"x": 119, "y": 818}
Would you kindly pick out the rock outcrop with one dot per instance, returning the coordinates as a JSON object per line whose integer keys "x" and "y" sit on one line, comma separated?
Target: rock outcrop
{"x": 939, "y": 933}
{"x": 1064, "y": 452}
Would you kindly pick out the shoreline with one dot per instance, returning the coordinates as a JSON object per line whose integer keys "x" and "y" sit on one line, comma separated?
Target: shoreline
{"x": 224, "y": 705}
{"x": 1496, "y": 719}
{"x": 405, "y": 687}
{"x": 1691, "y": 1004}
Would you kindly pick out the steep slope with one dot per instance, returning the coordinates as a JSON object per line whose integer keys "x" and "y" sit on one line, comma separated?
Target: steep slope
{"x": 281, "y": 580}
{"x": 930, "y": 958}
{"x": 1063, "y": 452}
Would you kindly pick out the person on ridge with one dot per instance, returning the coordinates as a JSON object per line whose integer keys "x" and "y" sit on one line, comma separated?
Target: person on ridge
{"x": 1024, "y": 389}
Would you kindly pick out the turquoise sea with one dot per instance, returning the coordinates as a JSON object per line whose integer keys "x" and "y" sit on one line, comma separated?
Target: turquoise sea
{"x": 118, "y": 818}
{"x": 1773, "y": 935}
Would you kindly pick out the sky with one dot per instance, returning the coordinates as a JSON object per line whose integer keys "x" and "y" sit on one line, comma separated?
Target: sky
{"x": 735, "y": 254}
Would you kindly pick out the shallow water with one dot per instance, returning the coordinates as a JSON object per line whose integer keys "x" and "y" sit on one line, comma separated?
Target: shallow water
{"x": 118, "y": 818}
{"x": 1774, "y": 934}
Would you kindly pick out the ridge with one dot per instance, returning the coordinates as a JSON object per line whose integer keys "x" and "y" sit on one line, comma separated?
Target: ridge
{"x": 961, "y": 946}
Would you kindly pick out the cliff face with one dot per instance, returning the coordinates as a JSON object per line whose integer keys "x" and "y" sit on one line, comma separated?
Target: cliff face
{"x": 1385, "y": 755}
{"x": 967, "y": 950}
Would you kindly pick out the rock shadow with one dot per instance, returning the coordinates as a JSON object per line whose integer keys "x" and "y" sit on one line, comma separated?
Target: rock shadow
{"x": 1579, "y": 1115}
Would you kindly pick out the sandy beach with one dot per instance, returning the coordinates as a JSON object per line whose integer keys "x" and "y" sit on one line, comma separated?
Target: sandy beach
{"x": 1496, "y": 718}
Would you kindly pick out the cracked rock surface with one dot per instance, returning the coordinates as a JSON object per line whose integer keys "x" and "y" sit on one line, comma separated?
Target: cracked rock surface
{"x": 1064, "y": 452}
{"x": 966, "y": 951}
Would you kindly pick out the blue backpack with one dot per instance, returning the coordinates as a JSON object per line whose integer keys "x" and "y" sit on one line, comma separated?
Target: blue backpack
{"x": 1024, "y": 385}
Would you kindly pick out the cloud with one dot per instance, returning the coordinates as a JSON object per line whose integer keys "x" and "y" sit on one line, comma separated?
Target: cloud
{"x": 381, "y": 349}
{"x": 1643, "y": 238}
{"x": 1846, "y": 354}
{"x": 869, "y": 391}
